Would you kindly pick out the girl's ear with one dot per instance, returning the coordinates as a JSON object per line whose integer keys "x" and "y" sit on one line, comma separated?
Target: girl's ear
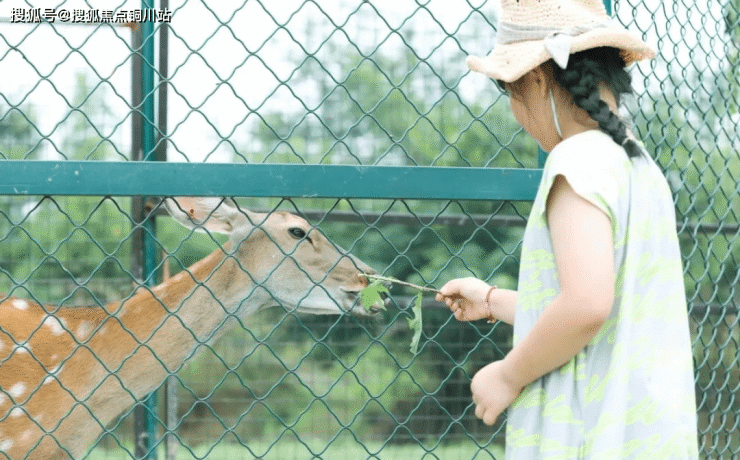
{"x": 540, "y": 81}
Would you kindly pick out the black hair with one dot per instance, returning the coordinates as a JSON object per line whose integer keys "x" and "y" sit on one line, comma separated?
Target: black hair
{"x": 581, "y": 78}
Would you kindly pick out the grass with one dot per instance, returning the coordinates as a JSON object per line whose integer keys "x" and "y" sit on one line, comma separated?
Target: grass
{"x": 344, "y": 448}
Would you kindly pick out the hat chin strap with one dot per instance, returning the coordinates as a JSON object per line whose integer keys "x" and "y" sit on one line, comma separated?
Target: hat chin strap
{"x": 555, "y": 114}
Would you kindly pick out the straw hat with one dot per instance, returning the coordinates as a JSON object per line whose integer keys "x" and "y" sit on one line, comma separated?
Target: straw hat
{"x": 531, "y": 32}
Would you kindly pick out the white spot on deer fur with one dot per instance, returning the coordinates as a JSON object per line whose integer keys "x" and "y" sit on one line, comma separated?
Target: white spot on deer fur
{"x": 83, "y": 330}
{"x": 26, "y": 436}
{"x": 54, "y": 324}
{"x": 17, "y": 390}
{"x": 2, "y": 399}
{"x": 20, "y": 304}
{"x": 22, "y": 348}
{"x": 48, "y": 379}
{"x": 16, "y": 412}
{"x": 54, "y": 357}
{"x": 6, "y": 445}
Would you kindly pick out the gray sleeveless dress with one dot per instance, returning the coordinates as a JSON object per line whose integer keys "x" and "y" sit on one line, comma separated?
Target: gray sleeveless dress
{"x": 630, "y": 393}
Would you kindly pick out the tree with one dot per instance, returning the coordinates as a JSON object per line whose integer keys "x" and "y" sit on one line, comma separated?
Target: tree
{"x": 89, "y": 118}
{"x": 63, "y": 247}
{"x": 19, "y": 136}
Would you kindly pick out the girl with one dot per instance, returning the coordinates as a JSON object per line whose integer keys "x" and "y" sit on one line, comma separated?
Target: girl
{"x": 601, "y": 366}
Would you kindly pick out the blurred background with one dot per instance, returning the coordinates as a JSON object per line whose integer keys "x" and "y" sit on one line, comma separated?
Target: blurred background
{"x": 373, "y": 83}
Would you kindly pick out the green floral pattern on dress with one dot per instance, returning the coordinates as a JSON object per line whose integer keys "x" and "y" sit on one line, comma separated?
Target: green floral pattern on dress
{"x": 629, "y": 394}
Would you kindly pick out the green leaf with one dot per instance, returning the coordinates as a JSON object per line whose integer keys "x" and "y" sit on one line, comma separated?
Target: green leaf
{"x": 373, "y": 294}
{"x": 415, "y": 324}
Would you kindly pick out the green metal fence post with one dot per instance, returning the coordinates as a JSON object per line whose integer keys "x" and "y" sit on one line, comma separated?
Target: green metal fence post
{"x": 145, "y": 429}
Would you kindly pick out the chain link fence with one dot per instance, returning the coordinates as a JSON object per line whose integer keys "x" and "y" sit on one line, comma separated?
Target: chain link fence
{"x": 312, "y": 83}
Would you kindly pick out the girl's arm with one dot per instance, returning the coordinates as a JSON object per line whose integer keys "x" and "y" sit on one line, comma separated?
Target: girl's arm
{"x": 503, "y": 304}
{"x": 584, "y": 255}
{"x": 583, "y": 249}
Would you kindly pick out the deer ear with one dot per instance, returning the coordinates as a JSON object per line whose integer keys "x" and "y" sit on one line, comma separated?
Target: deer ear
{"x": 213, "y": 214}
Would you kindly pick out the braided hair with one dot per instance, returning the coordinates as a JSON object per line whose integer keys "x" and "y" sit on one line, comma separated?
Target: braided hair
{"x": 585, "y": 71}
{"x": 581, "y": 78}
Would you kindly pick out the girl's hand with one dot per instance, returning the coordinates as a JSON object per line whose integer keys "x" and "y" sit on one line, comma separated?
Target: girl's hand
{"x": 466, "y": 298}
{"x": 493, "y": 391}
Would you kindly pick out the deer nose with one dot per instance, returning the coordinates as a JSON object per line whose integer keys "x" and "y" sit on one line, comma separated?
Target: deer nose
{"x": 365, "y": 276}
{"x": 362, "y": 268}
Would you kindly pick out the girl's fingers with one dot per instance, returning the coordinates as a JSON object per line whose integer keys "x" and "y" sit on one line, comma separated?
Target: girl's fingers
{"x": 451, "y": 302}
{"x": 488, "y": 417}
{"x": 450, "y": 295}
{"x": 480, "y": 412}
{"x": 449, "y": 290}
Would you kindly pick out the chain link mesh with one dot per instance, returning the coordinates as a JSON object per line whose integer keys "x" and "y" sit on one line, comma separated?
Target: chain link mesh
{"x": 361, "y": 83}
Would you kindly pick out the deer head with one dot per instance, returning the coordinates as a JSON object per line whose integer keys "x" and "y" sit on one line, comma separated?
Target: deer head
{"x": 278, "y": 258}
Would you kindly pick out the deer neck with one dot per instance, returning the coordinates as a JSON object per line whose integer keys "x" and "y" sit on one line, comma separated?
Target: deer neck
{"x": 132, "y": 345}
{"x": 173, "y": 318}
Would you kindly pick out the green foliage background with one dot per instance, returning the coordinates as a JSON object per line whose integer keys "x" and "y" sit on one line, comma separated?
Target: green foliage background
{"x": 319, "y": 378}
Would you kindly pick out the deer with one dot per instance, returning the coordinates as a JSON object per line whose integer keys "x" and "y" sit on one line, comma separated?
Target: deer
{"x": 67, "y": 372}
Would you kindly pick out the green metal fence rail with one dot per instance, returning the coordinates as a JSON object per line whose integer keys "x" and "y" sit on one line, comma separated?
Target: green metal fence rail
{"x": 361, "y": 117}
{"x": 267, "y": 180}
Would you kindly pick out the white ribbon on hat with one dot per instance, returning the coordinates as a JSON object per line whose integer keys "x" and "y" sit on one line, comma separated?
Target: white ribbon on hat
{"x": 557, "y": 42}
{"x": 558, "y": 45}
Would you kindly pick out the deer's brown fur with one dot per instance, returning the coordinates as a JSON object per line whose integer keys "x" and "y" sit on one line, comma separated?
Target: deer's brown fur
{"x": 66, "y": 373}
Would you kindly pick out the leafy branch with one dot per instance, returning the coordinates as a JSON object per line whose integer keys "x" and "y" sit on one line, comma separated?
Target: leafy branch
{"x": 373, "y": 294}
{"x": 374, "y": 278}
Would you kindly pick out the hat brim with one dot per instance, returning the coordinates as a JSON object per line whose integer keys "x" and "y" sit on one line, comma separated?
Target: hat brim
{"x": 509, "y": 62}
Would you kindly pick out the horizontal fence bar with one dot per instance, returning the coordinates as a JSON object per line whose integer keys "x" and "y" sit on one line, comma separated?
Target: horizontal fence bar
{"x": 266, "y": 180}
{"x": 97, "y": 178}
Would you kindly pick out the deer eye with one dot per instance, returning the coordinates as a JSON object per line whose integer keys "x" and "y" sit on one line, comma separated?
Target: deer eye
{"x": 297, "y": 233}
